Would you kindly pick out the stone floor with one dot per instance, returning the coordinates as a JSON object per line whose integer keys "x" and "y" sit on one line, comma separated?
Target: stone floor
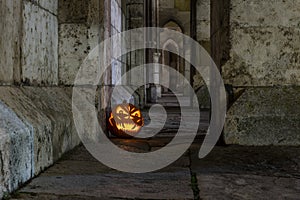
{"x": 228, "y": 172}
{"x": 231, "y": 172}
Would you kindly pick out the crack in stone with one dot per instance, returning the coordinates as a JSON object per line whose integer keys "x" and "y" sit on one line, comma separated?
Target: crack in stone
{"x": 2, "y": 166}
{"x": 41, "y": 7}
{"x": 194, "y": 180}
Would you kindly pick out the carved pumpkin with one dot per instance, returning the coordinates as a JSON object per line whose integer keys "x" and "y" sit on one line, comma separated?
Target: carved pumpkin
{"x": 125, "y": 120}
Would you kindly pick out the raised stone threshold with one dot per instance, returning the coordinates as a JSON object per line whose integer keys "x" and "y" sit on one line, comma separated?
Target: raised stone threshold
{"x": 36, "y": 128}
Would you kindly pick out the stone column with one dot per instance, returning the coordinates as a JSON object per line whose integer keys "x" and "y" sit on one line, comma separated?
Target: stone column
{"x": 155, "y": 87}
{"x": 187, "y": 69}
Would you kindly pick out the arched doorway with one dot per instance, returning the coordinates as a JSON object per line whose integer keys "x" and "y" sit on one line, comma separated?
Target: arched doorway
{"x": 174, "y": 15}
{"x": 170, "y": 58}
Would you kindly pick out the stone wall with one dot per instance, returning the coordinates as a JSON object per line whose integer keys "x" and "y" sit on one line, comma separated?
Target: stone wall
{"x": 135, "y": 18}
{"x": 203, "y": 30}
{"x": 36, "y": 128}
{"x": 265, "y": 42}
{"x": 203, "y": 23}
{"x": 29, "y": 42}
{"x": 117, "y": 26}
{"x": 16, "y": 162}
{"x": 10, "y": 40}
{"x": 264, "y": 60}
{"x": 177, "y": 11}
{"x": 42, "y": 45}
{"x": 80, "y": 30}
{"x": 265, "y": 116}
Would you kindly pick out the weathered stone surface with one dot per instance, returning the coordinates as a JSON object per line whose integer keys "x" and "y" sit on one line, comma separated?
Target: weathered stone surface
{"x": 80, "y": 175}
{"x": 73, "y": 11}
{"x": 81, "y": 26}
{"x": 136, "y": 10}
{"x": 47, "y": 115}
{"x": 95, "y": 23}
{"x": 239, "y": 172}
{"x": 16, "y": 150}
{"x": 203, "y": 20}
{"x": 29, "y": 42}
{"x": 242, "y": 187}
{"x": 167, "y": 4}
{"x": 117, "y": 15}
{"x": 203, "y": 97}
{"x": 73, "y": 49}
{"x": 176, "y": 11}
{"x": 203, "y": 37}
{"x": 265, "y": 116}
{"x": 10, "y": 26}
{"x": 265, "y": 14}
{"x": 129, "y": 186}
{"x": 264, "y": 52}
{"x": 39, "y": 45}
{"x": 51, "y": 6}
{"x": 273, "y": 161}
{"x": 232, "y": 172}
{"x": 265, "y": 44}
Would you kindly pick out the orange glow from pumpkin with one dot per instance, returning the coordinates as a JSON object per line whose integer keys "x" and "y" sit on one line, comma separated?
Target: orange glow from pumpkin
{"x": 125, "y": 119}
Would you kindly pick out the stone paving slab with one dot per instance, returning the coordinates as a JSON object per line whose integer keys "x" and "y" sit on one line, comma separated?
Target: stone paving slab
{"x": 117, "y": 186}
{"x": 264, "y": 161}
{"x": 236, "y": 172}
{"x": 228, "y": 172}
{"x": 247, "y": 187}
{"x": 79, "y": 176}
{"x": 80, "y": 162}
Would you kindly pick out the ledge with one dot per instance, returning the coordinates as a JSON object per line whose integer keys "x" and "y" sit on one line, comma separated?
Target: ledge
{"x": 265, "y": 116}
{"x": 36, "y": 129}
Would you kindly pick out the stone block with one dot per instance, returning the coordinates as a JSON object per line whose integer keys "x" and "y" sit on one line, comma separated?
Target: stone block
{"x": 264, "y": 39}
{"x": 39, "y": 46}
{"x": 263, "y": 57}
{"x": 203, "y": 97}
{"x": 164, "y": 185}
{"x": 136, "y": 10}
{"x": 182, "y": 5}
{"x": 10, "y": 23}
{"x": 203, "y": 10}
{"x": 73, "y": 11}
{"x": 116, "y": 72}
{"x": 265, "y": 13}
{"x": 51, "y": 6}
{"x": 48, "y": 112}
{"x": 73, "y": 49}
{"x": 16, "y": 150}
{"x": 265, "y": 116}
{"x": 95, "y": 23}
{"x": 166, "y": 4}
{"x": 36, "y": 128}
{"x": 203, "y": 30}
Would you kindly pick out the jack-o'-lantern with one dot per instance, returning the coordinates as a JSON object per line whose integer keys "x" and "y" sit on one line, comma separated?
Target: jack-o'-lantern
{"x": 125, "y": 120}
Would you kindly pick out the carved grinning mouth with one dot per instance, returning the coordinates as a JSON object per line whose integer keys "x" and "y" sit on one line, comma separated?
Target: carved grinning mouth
{"x": 126, "y": 126}
{"x": 126, "y": 119}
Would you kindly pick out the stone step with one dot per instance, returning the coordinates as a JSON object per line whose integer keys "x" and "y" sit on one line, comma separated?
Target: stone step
{"x": 171, "y": 94}
{"x": 265, "y": 116}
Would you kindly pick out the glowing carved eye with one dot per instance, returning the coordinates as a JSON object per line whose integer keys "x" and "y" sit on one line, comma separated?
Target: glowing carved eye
{"x": 125, "y": 120}
{"x": 136, "y": 114}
